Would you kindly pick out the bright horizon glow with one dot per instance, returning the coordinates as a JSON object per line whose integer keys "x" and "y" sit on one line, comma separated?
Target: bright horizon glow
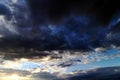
{"x": 14, "y": 77}
{"x": 11, "y": 77}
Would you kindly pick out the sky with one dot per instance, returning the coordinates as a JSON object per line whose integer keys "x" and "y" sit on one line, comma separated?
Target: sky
{"x": 63, "y": 40}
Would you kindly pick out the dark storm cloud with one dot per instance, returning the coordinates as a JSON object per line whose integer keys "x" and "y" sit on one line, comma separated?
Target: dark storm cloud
{"x": 4, "y": 10}
{"x": 53, "y": 11}
{"x": 73, "y": 22}
{"x": 82, "y": 25}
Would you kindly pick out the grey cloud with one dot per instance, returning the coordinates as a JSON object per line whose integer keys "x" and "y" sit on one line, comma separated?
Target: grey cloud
{"x": 109, "y": 73}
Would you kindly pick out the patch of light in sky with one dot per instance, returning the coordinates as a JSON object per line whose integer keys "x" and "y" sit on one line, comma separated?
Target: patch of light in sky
{"x": 14, "y": 1}
{"x": 98, "y": 64}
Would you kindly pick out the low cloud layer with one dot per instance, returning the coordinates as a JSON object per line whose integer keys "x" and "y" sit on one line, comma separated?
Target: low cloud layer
{"x": 101, "y": 74}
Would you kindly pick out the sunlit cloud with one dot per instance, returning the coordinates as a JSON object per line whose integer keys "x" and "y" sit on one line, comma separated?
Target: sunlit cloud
{"x": 24, "y": 60}
{"x": 11, "y": 64}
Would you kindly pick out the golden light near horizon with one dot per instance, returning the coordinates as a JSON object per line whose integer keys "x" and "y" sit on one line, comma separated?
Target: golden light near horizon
{"x": 13, "y": 77}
